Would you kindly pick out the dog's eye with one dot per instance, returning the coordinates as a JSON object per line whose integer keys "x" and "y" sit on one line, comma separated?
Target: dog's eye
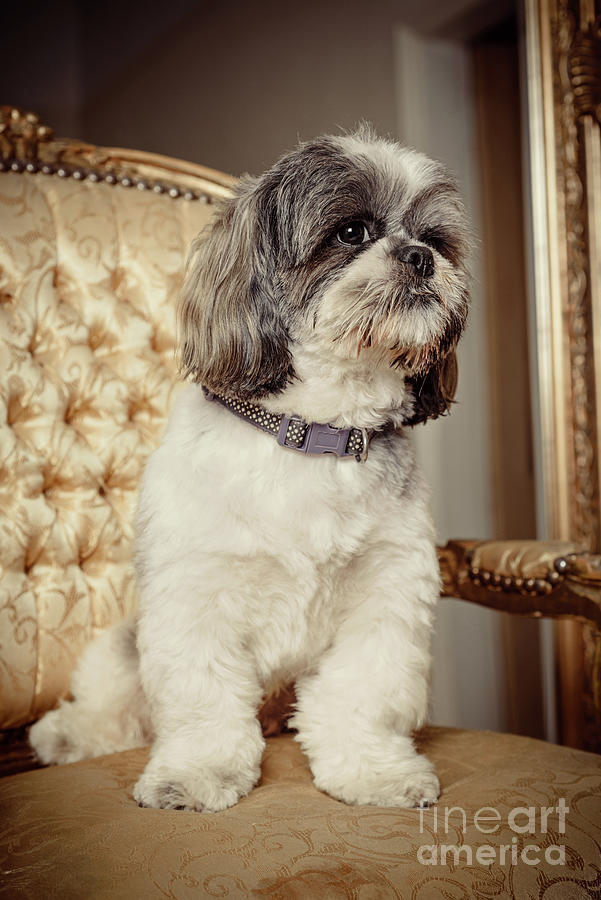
{"x": 352, "y": 234}
{"x": 439, "y": 241}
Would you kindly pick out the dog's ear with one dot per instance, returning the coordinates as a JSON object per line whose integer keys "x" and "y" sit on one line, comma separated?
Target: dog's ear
{"x": 231, "y": 337}
{"x": 433, "y": 390}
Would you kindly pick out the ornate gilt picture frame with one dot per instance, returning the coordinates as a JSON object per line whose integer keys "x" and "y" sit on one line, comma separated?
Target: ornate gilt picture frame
{"x": 563, "y": 82}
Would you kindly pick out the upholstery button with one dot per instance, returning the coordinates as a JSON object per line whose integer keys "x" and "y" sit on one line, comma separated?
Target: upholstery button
{"x": 14, "y": 410}
{"x": 34, "y": 342}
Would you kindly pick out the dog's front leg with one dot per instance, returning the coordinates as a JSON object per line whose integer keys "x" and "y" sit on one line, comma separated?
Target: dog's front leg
{"x": 204, "y": 696}
{"x": 356, "y": 713}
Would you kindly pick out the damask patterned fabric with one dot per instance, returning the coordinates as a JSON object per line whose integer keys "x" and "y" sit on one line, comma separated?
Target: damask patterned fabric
{"x": 75, "y": 831}
{"x": 88, "y": 279}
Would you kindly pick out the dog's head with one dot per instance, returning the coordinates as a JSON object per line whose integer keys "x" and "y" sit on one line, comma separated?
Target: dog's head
{"x": 350, "y": 243}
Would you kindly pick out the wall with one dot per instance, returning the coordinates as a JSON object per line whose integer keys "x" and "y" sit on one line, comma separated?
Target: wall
{"x": 42, "y": 61}
{"x": 436, "y": 111}
{"x": 236, "y": 84}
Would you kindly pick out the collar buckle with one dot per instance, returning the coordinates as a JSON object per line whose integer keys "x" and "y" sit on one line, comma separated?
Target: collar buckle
{"x": 315, "y": 439}
{"x": 326, "y": 439}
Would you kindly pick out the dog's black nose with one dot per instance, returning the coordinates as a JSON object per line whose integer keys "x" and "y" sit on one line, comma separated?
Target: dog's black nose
{"x": 419, "y": 258}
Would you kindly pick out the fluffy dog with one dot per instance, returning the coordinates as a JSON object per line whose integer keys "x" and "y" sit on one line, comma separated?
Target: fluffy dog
{"x": 332, "y": 289}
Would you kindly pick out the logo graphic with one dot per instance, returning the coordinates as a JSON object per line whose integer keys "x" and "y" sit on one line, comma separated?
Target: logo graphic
{"x": 521, "y": 820}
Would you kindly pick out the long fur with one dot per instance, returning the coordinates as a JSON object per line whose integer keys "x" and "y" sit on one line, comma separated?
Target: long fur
{"x": 256, "y": 565}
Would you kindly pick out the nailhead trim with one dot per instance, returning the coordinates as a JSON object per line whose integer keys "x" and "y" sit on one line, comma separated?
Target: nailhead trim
{"x": 95, "y": 175}
{"x": 515, "y": 584}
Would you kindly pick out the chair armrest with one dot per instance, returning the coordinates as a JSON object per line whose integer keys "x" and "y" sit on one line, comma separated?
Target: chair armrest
{"x": 533, "y": 578}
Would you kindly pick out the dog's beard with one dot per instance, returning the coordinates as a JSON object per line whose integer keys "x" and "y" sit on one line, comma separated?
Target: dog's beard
{"x": 410, "y": 322}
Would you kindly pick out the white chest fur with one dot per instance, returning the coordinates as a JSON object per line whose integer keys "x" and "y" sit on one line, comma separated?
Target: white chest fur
{"x": 268, "y": 534}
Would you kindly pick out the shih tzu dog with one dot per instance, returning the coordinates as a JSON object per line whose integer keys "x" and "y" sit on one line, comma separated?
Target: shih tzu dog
{"x": 283, "y": 529}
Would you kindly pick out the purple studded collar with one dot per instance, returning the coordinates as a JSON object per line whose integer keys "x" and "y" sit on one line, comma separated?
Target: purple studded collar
{"x": 294, "y": 433}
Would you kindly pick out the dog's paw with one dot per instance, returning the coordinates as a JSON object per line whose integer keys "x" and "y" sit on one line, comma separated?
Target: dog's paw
{"x": 198, "y": 791}
{"x": 410, "y": 784}
{"x": 421, "y": 791}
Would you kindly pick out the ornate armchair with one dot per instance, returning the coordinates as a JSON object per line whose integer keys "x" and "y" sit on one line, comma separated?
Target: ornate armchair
{"x": 92, "y": 248}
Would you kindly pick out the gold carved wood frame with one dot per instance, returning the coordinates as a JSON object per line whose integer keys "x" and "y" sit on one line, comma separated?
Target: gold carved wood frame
{"x": 26, "y": 145}
{"x": 563, "y": 53}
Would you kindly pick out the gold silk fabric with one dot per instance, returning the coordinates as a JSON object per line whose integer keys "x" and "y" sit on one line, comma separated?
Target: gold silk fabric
{"x": 520, "y": 559}
{"x": 89, "y": 273}
{"x": 75, "y": 831}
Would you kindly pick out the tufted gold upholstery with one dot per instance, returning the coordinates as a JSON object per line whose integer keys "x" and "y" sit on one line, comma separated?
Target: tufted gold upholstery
{"x": 90, "y": 262}
{"x": 88, "y": 276}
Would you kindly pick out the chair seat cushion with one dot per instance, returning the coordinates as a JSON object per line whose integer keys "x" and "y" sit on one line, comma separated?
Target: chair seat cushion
{"x": 75, "y": 831}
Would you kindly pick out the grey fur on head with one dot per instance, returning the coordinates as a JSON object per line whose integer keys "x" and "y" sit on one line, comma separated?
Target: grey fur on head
{"x": 272, "y": 267}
